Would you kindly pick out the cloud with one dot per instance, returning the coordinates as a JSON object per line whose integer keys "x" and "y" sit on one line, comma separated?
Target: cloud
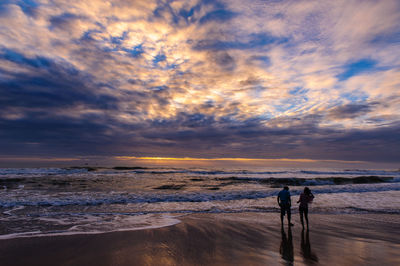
{"x": 219, "y": 15}
{"x": 254, "y": 41}
{"x": 201, "y": 77}
{"x": 355, "y": 68}
{"x": 350, "y": 111}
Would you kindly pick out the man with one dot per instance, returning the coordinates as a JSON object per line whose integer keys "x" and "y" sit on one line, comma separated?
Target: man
{"x": 285, "y": 203}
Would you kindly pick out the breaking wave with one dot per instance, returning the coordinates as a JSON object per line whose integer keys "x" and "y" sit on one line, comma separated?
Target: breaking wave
{"x": 97, "y": 198}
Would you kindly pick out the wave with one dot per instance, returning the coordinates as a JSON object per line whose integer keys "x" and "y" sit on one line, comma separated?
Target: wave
{"x": 93, "y": 199}
{"x": 295, "y": 181}
{"x": 88, "y": 223}
{"x": 42, "y": 171}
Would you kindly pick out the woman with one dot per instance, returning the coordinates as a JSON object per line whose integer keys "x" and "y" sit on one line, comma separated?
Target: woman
{"x": 305, "y": 198}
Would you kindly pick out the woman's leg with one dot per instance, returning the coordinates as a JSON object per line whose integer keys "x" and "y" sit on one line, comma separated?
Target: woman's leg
{"x": 301, "y": 216}
{"x": 306, "y": 215}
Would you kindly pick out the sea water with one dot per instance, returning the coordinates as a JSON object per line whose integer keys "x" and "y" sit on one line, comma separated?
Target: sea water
{"x": 59, "y": 201}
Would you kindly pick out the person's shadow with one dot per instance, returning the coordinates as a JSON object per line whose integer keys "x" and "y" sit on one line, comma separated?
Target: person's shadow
{"x": 306, "y": 252}
{"x": 286, "y": 248}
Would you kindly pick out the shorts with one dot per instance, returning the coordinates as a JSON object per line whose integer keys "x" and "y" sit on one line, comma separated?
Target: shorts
{"x": 285, "y": 208}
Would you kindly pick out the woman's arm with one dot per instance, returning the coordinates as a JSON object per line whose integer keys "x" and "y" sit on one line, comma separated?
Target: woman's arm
{"x": 299, "y": 198}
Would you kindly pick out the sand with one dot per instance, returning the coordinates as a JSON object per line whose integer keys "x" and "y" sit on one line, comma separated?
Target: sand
{"x": 223, "y": 239}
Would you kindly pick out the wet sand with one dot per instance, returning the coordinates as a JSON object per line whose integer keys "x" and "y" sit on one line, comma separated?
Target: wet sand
{"x": 223, "y": 239}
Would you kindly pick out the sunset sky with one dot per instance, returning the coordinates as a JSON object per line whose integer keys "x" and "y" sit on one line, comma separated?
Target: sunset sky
{"x": 304, "y": 80}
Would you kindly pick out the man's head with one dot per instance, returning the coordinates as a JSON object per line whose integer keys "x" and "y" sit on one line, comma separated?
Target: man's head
{"x": 286, "y": 188}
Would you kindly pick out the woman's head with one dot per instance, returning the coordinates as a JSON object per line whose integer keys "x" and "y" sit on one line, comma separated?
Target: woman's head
{"x": 307, "y": 191}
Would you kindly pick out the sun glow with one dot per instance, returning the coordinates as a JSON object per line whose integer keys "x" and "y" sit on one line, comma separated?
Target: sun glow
{"x": 229, "y": 159}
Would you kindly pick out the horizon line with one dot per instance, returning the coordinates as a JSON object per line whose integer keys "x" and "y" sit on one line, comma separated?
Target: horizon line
{"x": 304, "y": 160}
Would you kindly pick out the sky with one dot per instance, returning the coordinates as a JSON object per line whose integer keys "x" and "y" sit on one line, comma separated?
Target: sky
{"x": 138, "y": 79}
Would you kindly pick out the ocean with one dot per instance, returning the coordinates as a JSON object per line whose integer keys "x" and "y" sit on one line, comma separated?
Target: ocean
{"x": 85, "y": 200}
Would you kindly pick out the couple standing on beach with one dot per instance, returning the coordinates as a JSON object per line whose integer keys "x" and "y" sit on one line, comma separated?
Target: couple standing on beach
{"x": 285, "y": 203}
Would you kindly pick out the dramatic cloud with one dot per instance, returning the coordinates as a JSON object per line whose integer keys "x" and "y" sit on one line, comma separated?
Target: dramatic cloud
{"x": 200, "y": 78}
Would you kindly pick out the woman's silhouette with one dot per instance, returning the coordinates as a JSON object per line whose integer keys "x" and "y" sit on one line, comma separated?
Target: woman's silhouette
{"x": 308, "y": 255}
{"x": 305, "y": 198}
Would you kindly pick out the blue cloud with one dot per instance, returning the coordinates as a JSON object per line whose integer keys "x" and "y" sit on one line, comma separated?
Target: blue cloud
{"x": 166, "y": 8}
{"x": 263, "y": 61}
{"x": 387, "y": 38}
{"x": 28, "y": 6}
{"x": 220, "y": 15}
{"x": 351, "y": 110}
{"x": 355, "y": 96}
{"x": 159, "y": 88}
{"x": 356, "y": 68}
{"x": 135, "y": 51}
{"x": 255, "y": 41}
{"x": 49, "y": 84}
{"x": 119, "y": 39}
{"x": 186, "y": 14}
{"x": 15, "y": 57}
{"x": 63, "y": 21}
{"x": 225, "y": 61}
{"x": 159, "y": 58}
{"x": 298, "y": 91}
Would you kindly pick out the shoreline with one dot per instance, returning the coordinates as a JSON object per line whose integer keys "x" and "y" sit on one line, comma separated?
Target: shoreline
{"x": 222, "y": 239}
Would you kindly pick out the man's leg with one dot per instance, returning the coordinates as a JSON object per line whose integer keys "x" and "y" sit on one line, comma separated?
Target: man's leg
{"x": 282, "y": 213}
{"x": 288, "y": 214}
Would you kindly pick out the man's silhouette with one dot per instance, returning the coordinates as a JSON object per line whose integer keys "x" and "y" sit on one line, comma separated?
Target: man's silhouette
{"x": 286, "y": 248}
{"x": 285, "y": 203}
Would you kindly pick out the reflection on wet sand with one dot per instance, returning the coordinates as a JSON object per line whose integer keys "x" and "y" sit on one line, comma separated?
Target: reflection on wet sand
{"x": 309, "y": 256}
{"x": 286, "y": 247}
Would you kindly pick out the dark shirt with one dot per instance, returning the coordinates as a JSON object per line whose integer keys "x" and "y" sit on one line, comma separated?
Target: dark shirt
{"x": 284, "y": 196}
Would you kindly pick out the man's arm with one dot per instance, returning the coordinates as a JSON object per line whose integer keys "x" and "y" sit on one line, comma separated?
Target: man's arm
{"x": 277, "y": 198}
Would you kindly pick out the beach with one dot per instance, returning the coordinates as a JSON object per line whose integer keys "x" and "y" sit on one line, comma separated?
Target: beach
{"x": 186, "y": 216}
{"x": 223, "y": 239}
